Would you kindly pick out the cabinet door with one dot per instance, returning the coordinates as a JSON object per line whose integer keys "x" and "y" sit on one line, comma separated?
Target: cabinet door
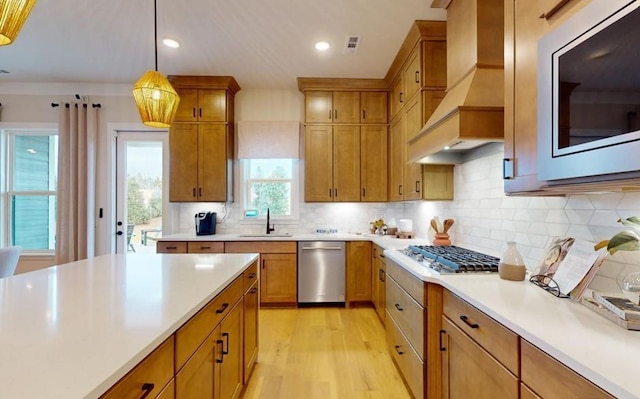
{"x": 396, "y": 160}
{"x": 346, "y": 163}
{"x": 358, "y": 267}
{"x": 213, "y": 163}
{"x": 250, "y": 353}
{"x": 413, "y": 171}
{"x": 522, "y": 30}
{"x": 396, "y": 98}
{"x": 437, "y": 182}
{"x": 231, "y": 367}
{"x": 434, "y": 64}
{"x": 373, "y": 106}
{"x": 278, "y": 279}
{"x": 411, "y": 78}
{"x": 212, "y": 105}
{"x": 379, "y": 288}
{"x": 195, "y": 379}
{"x": 169, "y": 392}
{"x": 373, "y": 163}
{"x": 318, "y": 163}
{"x": 468, "y": 371}
{"x": 188, "y": 106}
{"x": 346, "y": 107}
{"x": 183, "y": 162}
{"x": 318, "y": 107}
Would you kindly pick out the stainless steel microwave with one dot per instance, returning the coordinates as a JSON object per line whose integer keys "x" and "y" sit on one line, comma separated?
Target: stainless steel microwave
{"x": 589, "y": 94}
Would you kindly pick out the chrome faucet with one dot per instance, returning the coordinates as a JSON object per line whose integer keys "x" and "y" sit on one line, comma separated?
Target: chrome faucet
{"x": 272, "y": 227}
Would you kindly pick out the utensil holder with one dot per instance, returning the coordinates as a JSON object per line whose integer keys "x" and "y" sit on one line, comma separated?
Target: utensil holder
{"x": 441, "y": 239}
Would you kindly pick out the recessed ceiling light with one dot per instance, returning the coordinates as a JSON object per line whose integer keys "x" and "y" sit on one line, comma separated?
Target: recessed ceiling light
{"x": 171, "y": 43}
{"x": 322, "y": 46}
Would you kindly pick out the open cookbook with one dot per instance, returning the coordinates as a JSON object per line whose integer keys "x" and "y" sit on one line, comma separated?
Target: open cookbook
{"x": 570, "y": 264}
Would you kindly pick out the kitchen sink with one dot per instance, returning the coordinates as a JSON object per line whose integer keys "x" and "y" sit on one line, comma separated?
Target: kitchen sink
{"x": 266, "y": 235}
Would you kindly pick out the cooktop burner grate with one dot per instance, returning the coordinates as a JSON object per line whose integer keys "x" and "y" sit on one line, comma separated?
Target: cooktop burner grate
{"x": 457, "y": 260}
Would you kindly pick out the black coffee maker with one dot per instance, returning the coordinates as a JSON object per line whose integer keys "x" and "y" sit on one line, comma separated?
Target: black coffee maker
{"x": 205, "y": 223}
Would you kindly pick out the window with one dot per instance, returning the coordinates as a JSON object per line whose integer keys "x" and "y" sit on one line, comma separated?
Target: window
{"x": 30, "y": 201}
{"x": 272, "y": 184}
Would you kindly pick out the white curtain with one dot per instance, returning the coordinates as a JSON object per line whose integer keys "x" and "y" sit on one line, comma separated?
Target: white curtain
{"x": 268, "y": 139}
{"x": 75, "y": 224}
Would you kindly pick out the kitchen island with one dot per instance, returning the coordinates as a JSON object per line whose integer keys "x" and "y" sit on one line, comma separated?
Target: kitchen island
{"x": 74, "y": 330}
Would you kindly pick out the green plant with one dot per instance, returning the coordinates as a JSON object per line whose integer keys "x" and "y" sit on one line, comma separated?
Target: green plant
{"x": 626, "y": 240}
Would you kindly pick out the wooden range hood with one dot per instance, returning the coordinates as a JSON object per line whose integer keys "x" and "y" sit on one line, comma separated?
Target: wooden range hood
{"x": 472, "y": 111}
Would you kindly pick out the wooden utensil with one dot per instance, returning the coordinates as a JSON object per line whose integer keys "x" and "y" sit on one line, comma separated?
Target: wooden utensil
{"x": 447, "y": 224}
{"x": 434, "y": 225}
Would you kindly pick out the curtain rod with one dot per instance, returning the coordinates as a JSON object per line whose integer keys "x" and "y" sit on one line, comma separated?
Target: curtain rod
{"x": 53, "y": 105}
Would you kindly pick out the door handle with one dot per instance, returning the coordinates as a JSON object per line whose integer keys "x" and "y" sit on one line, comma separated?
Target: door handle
{"x": 469, "y": 323}
{"x": 400, "y": 308}
{"x": 397, "y": 347}
{"x": 328, "y": 248}
{"x": 147, "y": 387}
{"x": 219, "y": 342}
{"x": 222, "y": 308}
{"x": 417, "y": 76}
{"x": 417, "y": 186}
{"x": 442, "y": 348}
{"x": 226, "y": 337}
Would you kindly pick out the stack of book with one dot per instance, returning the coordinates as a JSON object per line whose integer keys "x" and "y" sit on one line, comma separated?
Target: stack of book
{"x": 615, "y": 307}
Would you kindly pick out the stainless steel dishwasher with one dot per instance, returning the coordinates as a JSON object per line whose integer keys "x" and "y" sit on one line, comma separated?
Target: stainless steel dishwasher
{"x": 321, "y": 272}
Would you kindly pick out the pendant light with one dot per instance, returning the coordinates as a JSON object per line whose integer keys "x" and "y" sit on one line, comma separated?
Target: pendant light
{"x": 13, "y": 14}
{"x": 156, "y": 99}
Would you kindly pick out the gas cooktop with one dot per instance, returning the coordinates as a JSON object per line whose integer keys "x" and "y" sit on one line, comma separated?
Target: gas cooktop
{"x": 452, "y": 259}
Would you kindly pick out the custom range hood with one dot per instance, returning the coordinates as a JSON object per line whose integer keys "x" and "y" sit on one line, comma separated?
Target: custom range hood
{"x": 472, "y": 112}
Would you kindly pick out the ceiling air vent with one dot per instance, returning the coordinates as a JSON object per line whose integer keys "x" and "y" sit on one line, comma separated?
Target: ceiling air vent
{"x": 351, "y": 44}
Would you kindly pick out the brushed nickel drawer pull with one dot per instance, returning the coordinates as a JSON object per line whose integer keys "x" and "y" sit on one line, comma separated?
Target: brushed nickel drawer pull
{"x": 469, "y": 323}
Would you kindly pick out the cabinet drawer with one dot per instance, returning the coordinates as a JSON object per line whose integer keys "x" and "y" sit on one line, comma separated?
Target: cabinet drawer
{"x": 414, "y": 286}
{"x": 409, "y": 363}
{"x": 548, "y": 378}
{"x": 263, "y": 247}
{"x": 496, "y": 339}
{"x": 169, "y": 392}
{"x": 154, "y": 371}
{"x": 205, "y": 247}
{"x": 171, "y": 247}
{"x": 250, "y": 276}
{"x": 407, "y": 314}
{"x": 194, "y": 331}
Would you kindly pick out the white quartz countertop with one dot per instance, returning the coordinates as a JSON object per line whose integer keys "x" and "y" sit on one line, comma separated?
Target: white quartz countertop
{"x": 72, "y": 331}
{"x": 277, "y": 237}
{"x": 584, "y": 341}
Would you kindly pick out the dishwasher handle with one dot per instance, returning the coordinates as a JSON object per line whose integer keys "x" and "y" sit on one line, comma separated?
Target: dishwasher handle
{"x": 328, "y": 248}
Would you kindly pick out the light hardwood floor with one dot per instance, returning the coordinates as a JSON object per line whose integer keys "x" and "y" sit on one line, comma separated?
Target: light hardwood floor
{"x": 323, "y": 353}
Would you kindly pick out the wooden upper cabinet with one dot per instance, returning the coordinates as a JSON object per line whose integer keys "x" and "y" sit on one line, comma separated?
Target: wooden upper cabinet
{"x": 199, "y": 162}
{"x": 346, "y": 107}
{"x": 396, "y": 100}
{"x": 318, "y": 106}
{"x": 201, "y": 105}
{"x": 346, "y": 163}
{"x": 437, "y": 182}
{"x": 373, "y": 105}
{"x": 318, "y": 163}
{"x": 332, "y": 107}
{"x": 412, "y": 179}
{"x": 411, "y": 74}
{"x": 434, "y": 64}
{"x": 373, "y": 163}
{"x": 396, "y": 159}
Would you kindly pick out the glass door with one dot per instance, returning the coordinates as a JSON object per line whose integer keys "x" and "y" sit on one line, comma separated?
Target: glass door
{"x": 142, "y": 200}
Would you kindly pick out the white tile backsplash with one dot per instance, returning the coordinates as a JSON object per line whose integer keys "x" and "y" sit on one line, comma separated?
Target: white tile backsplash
{"x": 485, "y": 218}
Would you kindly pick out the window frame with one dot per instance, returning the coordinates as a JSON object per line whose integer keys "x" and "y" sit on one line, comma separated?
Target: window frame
{"x": 245, "y": 188}
{"x": 7, "y": 183}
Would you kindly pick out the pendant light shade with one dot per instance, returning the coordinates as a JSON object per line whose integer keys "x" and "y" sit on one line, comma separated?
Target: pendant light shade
{"x": 13, "y": 14}
{"x": 156, "y": 99}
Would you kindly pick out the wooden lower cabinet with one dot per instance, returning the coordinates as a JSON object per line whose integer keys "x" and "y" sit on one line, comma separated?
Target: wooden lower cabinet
{"x": 358, "y": 269}
{"x": 279, "y": 281}
{"x": 251, "y": 332}
{"x": 190, "y": 247}
{"x": 548, "y": 378}
{"x": 406, "y": 359}
{"x": 468, "y": 371}
{"x": 527, "y": 393}
{"x": 149, "y": 377}
{"x": 230, "y": 364}
{"x": 169, "y": 392}
{"x": 196, "y": 379}
{"x": 378, "y": 281}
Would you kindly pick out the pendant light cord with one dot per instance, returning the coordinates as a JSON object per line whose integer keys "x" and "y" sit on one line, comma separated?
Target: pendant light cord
{"x": 155, "y": 29}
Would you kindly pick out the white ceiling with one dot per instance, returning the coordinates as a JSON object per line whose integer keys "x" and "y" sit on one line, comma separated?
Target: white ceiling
{"x": 264, "y": 44}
